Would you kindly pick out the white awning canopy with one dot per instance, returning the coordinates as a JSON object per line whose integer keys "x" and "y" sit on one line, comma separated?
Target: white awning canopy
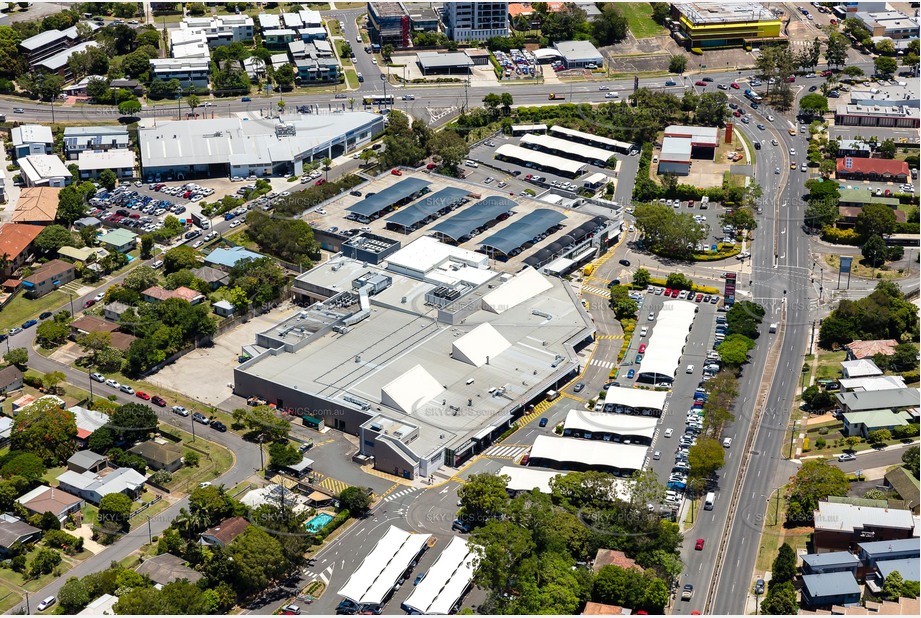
{"x": 605, "y": 422}
{"x": 597, "y": 454}
{"x": 446, "y": 581}
{"x": 669, "y": 335}
{"x": 379, "y": 572}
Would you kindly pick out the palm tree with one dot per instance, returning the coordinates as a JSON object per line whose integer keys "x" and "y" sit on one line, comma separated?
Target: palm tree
{"x": 351, "y": 104}
{"x": 4, "y": 262}
{"x": 327, "y": 163}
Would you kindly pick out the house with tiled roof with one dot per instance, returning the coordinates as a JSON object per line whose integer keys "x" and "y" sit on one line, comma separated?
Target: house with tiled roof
{"x": 15, "y": 532}
{"x": 224, "y": 533}
{"x": 159, "y": 456}
{"x": 10, "y": 379}
{"x": 605, "y": 557}
{"x": 88, "y": 421}
{"x": 167, "y": 568}
{"x": 90, "y": 324}
{"x": 860, "y": 168}
{"x": 43, "y": 499}
{"x": 860, "y": 348}
{"x": 156, "y": 294}
{"x": 121, "y": 341}
{"x": 17, "y": 244}
{"x": 37, "y": 205}
{"x": 49, "y": 277}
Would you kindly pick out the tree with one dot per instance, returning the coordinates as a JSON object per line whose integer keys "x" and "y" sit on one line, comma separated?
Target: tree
{"x": 874, "y": 251}
{"x": 706, "y": 457}
{"x": 912, "y": 459}
{"x": 879, "y": 436}
{"x": 711, "y": 109}
{"x": 51, "y": 381}
{"x": 72, "y": 202}
{"x": 264, "y": 421}
{"x": 887, "y": 149}
{"x": 734, "y": 350}
{"x": 836, "y": 49}
{"x": 129, "y": 108}
{"x": 892, "y": 586}
{"x": 52, "y": 238}
{"x": 356, "y": 500}
{"x": 108, "y": 179}
{"x": 115, "y": 508}
{"x": 744, "y": 317}
{"x": 874, "y": 220}
{"x": 44, "y": 562}
{"x": 677, "y": 64}
{"x": 257, "y": 560}
{"x": 18, "y": 357}
{"x": 813, "y": 104}
{"x": 132, "y": 422}
{"x": 147, "y": 244}
{"x": 669, "y": 233}
{"x": 449, "y": 147}
{"x": 741, "y": 219}
{"x": 818, "y": 399}
{"x": 781, "y": 600}
{"x": 784, "y": 567}
{"x": 45, "y": 430}
{"x": 624, "y": 307}
{"x": 178, "y": 258}
{"x": 609, "y": 26}
{"x": 73, "y": 596}
{"x": 641, "y": 278}
{"x": 815, "y": 481}
{"x": 193, "y": 101}
{"x": 141, "y": 278}
{"x": 885, "y": 65}
{"x": 284, "y": 75}
{"x": 51, "y": 333}
{"x": 282, "y": 454}
{"x": 483, "y": 498}
{"x": 26, "y": 465}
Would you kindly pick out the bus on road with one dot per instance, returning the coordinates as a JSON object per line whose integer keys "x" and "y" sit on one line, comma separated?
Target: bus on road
{"x": 378, "y": 99}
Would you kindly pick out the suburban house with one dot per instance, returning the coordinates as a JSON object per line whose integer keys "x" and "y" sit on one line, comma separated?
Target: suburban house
{"x": 103, "y": 606}
{"x": 227, "y": 258}
{"x": 156, "y": 294}
{"x": 90, "y": 324}
{"x": 603, "y": 609}
{"x": 6, "y": 428}
{"x": 10, "y": 379}
{"x": 87, "y": 255}
{"x": 51, "y": 42}
{"x": 121, "y": 341}
{"x": 906, "y": 486}
{"x": 874, "y": 552}
{"x": 159, "y": 456}
{"x": 859, "y": 349}
{"x": 87, "y": 461}
{"x": 862, "y": 423}
{"x": 92, "y": 162}
{"x": 93, "y": 487}
{"x": 44, "y": 170}
{"x": 88, "y": 421}
{"x": 854, "y": 148}
{"x": 841, "y": 526}
{"x": 222, "y": 534}
{"x": 830, "y": 562}
{"x": 872, "y": 383}
{"x": 223, "y": 308}
{"x": 115, "y": 310}
{"x": 49, "y": 277}
{"x": 85, "y": 222}
{"x": 605, "y": 557}
{"x": 862, "y": 368}
{"x": 860, "y": 168}
{"x": 167, "y": 568}
{"x": 43, "y": 499}
{"x": 16, "y": 242}
{"x": 37, "y": 205}
{"x": 892, "y": 399}
{"x": 827, "y": 589}
{"x": 119, "y": 240}
{"x": 214, "y": 277}
{"x": 100, "y": 138}
{"x": 15, "y": 531}
{"x": 31, "y": 139}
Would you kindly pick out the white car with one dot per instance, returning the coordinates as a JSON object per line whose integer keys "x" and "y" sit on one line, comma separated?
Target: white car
{"x": 46, "y": 603}
{"x": 113, "y": 383}
{"x": 126, "y": 389}
{"x": 99, "y": 296}
{"x": 727, "y": 442}
{"x": 611, "y": 95}
{"x": 97, "y": 377}
{"x": 668, "y": 432}
{"x": 235, "y": 223}
{"x": 690, "y": 369}
{"x": 181, "y": 411}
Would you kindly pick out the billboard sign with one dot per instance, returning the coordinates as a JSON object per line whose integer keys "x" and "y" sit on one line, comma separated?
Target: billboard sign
{"x": 846, "y": 261}
{"x": 730, "y": 285}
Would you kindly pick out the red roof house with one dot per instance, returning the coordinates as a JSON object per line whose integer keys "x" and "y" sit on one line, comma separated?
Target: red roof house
{"x": 859, "y": 168}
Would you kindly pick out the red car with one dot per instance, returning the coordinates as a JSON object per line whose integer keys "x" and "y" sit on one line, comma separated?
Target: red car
{"x": 529, "y": 177}
{"x": 826, "y": 73}
{"x": 142, "y": 395}
{"x": 699, "y": 545}
{"x": 675, "y": 293}
{"x": 524, "y": 460}
{"x": 430, "y": 166}
{"x": 89, "y": 303}
{"x": 699, "y": 298}
{"x": 734, "y": 86}
{"x": 737, "y": 113}
{"x": 791, "y": 79}
{"x": 642, "y": 348}
{"x": 157, "y": 400}
{"x": 668, "y": 291}
{"x": 396, "y": 172}
{"x": 700, "y": 83}
{"x": 322, "y": 181}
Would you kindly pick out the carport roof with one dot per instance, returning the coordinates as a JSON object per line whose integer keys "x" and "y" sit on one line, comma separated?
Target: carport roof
{"x": 429, "y": 205}
{"x": 389, "y": 196}
{"x": 513, "y": 236}
{"x": 474, "y": 216}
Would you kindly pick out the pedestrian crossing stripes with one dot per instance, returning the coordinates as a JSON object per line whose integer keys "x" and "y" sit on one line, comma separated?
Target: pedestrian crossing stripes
{"x": 596, "y": 291}
{"x": 603, "y": 364}
{"x": 609, "y": 337}
{"x": 506, "y": 451}
{"x": 399, "y": 494}
{"x": 322, "y": 576}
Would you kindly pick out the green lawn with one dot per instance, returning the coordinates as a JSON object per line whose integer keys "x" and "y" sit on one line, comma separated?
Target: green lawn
{"x": 21, "y": 308}
{"x": 351, "y": 78}
{"x": 639, "y": 19}
{"x": 185, "y": 478}
{"x": 141, "y": 518}
{"x": 8, "y": 598}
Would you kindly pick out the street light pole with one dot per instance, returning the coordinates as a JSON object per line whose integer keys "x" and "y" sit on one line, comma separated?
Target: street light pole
{"x": 71, "y": 304}
{"x": 91, "y": 386}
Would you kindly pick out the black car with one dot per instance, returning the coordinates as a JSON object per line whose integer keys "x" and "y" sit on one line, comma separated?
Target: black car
{"x": 754, "y": 105}
{"x": 45, "y": 315}
{"x": 356, "y": 193}
{"x": 543, "y": 422}
{"x": 218, "y": 425}
{"x": 614, "y": 282}
{"x": 198, "y": 417}
{"x": 347, "y": 608}
{"x": 813, "y": 88}
{"x": 516, "y": 173}
{"x": 624, "y": 262}
{"x": 192, "y": 234}
{"x": 707, "y": 79}
{"x": 460, "y": 525}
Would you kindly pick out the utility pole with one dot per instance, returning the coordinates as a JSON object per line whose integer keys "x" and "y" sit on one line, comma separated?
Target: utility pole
{"x": 91, "y": 386}
{"x": 71, "y": 304}
{"x": 149, "y": 531}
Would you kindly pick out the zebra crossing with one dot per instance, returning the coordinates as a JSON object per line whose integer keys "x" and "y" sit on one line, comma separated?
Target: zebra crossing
{"x": 603, "y": 363}
{"x": 399, "y": 494}
{"x": 596, "y": 291}
{"x": 506, "y": 451}
{"x": 323, "y": 576}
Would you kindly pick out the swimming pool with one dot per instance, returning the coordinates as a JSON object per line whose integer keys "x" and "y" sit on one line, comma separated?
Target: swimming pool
{"x": 317, "y": 523}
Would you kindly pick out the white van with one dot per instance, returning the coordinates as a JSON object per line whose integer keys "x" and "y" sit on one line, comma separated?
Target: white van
{"x": 471, "y": 163}
{"x": 709, "y": 500}
{"x": 551, "y": 395}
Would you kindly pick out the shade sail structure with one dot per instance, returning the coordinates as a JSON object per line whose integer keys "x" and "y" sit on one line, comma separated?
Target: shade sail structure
{"x": 427, "y": 206}
{"x": 582, "y": 152}
{"x": 379, "y": 572}
{"x": 524, "y": 230}
{"x": 474, "y": 216}
{"x": 576, "y": 454}
{"x": 383, "y": 200}
{"x": 544, "y": 160}
{"x": 446, "y": 582}
{"x": 607, "y": 423}
{"x": 669, "y": 336}
{"x": 588, "y": 138}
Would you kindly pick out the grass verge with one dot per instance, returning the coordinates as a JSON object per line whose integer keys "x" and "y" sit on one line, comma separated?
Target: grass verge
{"x": 639, "y": 19}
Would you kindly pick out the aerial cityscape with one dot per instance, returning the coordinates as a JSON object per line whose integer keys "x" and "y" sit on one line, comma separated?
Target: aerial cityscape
{"x": 495, "y": 308}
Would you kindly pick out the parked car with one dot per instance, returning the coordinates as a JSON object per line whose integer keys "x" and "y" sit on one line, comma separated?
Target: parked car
{"x": 97, "y": 377}
{"x": 126, "y": 389}
{"x": 45, "y": 315}
{"x": 847, "y": 457}
{"x": 157, "y": 400}
{"x": 46, "y": 603}
{"x": 29, "y": 324}
{"x": 218, "y": 425}
{"x": 198, "y": 417}
{"x": 113, "y": 383}
{"x": 142, "y": 395}
{"x": 180, "y": 410}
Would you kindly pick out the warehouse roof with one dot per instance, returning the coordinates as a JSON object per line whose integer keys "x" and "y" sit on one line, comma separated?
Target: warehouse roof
{"x": 525, "y": 285}
{"x": 619, "y": 424}
{"x": 523, "y": 230}
{"x": 106, "y": 159}
{"x": 545, "y": 160}
{"x": 380, "y": 570}
{"x": 563, "y": 145}
{"x": 446, "y": 580}
{"x": 877, "y": 549}
{"x": 699, "y": 136}
{"x": 428, "y": 206}
{"x": 578, "y": 51}
{"x": 676, "y": 149}
{"x": 388, "y": 197}
{"x": 666, "y": 344}
{"x": 474, "y": 216}
{"x": 590, "y": 453}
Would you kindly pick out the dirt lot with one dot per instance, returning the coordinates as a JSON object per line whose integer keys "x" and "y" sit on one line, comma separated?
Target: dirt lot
{"x": 204, "y": 374}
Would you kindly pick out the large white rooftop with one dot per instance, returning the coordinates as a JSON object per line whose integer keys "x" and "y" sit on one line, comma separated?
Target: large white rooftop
{"x": 477, "y": 346}
{"x": 605, "y": 422}
{"x": 562, "y": 145}
{"x": 446, "y": 580}
{"x": 635, "y": 398}
{"x": 106, "y": 159}
{"x": 518, "y": 153}
{"x": 524, "y": 286}
{"x": 663, "y": 352}
{"x": 589, "y": 453}
{"x": 379, "y": 572}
